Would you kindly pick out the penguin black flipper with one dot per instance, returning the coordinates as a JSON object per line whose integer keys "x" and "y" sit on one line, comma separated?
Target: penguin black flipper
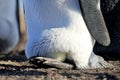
{"x": 94, "y": 21}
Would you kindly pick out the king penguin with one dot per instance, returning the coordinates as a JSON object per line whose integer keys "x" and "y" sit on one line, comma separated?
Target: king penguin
{"x": 65, "y": 29}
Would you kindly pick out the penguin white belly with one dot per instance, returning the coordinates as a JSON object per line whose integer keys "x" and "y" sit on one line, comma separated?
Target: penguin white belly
{"x": 56, "y": 29}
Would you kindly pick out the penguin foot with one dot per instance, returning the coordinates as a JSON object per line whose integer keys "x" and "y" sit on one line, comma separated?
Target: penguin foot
{"x": 49, "y": 62}
{"x": 96, "y": 61}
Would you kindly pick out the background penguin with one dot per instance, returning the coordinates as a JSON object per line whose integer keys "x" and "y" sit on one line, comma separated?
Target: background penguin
{"x": 111, "y": 13}
{"x": 9, "y": 34}
{"x": 59, "y": 29}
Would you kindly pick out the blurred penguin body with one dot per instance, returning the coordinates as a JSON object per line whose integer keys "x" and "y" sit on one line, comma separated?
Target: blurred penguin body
{"x": 9, "y": 34}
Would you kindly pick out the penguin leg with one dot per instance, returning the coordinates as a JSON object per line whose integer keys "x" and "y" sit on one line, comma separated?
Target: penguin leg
{"x": 96, "y": 61}
{"x": 9, "y": 35}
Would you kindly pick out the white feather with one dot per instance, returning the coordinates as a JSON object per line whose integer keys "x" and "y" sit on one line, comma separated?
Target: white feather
{"x": 56, "y": 29}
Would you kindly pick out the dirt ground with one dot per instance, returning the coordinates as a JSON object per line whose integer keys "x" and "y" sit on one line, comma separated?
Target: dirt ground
{"x": 15, "y": 66}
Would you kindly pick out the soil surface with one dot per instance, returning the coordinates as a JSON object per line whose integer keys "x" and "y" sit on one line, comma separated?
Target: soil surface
{"x": 15, "y": 66}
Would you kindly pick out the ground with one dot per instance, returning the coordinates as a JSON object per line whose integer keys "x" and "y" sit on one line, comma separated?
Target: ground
{"x": 15, "y": 66}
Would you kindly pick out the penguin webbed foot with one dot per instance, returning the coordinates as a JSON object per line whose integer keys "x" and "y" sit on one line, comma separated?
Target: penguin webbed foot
{"x": 96, "y": 61}
{"x": 49, "y": 62}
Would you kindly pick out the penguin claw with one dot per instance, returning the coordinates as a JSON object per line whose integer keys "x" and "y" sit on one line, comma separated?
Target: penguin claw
{"x": 49, "y": 62}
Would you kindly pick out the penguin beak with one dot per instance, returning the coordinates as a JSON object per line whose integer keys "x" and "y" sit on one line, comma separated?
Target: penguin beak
{"x": 95, "y": 21}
